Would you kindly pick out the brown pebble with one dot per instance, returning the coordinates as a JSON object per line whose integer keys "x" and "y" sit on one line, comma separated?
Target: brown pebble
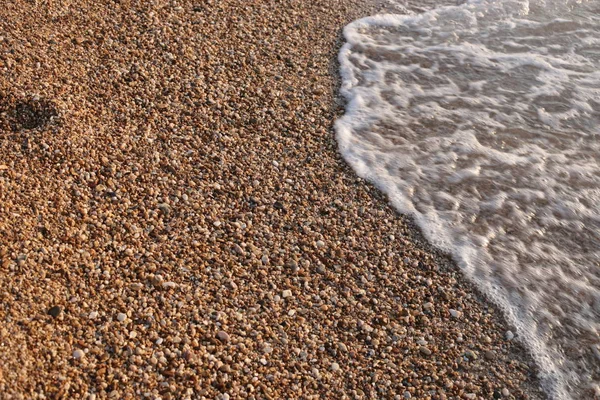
{"x": 223, "y": 336}
{"x": 425, "y": 350}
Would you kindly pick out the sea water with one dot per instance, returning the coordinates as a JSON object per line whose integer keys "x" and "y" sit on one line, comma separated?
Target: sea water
{"x": 482, "y": 122}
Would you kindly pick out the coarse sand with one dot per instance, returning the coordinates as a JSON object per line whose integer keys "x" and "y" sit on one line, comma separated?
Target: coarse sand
{"x": 176, "y": 222}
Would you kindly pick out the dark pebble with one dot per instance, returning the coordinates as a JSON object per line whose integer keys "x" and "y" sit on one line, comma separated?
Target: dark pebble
{"x": 55, "y": 311}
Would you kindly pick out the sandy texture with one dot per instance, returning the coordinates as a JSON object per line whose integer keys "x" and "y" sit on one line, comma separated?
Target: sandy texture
{"x": 175, "y": 221}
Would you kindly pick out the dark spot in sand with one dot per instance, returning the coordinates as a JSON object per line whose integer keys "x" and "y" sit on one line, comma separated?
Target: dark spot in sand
{"x": 25, "y": 114}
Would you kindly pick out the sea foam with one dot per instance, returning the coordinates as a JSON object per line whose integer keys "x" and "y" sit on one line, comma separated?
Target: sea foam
{"x": 482, "y": 122}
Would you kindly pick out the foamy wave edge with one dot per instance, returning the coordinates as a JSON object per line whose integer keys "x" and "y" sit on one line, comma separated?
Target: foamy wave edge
{"x": 552, "y": 380}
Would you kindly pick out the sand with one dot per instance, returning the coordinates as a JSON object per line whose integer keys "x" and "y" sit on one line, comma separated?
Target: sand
{"x": 176, "y": 222}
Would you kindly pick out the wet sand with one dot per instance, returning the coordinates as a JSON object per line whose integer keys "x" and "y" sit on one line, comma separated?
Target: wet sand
{"x": 176, "y": 222}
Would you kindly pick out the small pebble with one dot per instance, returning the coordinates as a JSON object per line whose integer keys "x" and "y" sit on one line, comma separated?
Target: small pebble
{"x": 509, "y": 335}
{"x": 121, "y": 317}
{"x": 223, "y": 336}
{"x": 54, "y": 311}
{"x": 93, "y": 315}
{"x": 286, "y": 293}
{"x": 335, "y": 367}
{"x": 293, "y": 265}
{"x": 164, "y": 208}
{"x": 267, "y": 349}
{"x": 505, "y": 392}
{"x": 425, "y": 350}
{"x": 77, "y": 354}
{"x": 238, "y": 249}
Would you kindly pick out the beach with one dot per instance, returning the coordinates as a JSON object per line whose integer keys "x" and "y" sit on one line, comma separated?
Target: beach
{"x": 177, "y": 223}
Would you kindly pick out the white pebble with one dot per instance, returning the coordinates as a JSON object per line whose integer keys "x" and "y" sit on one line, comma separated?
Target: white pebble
{"x": 455, "y": 313}
{"x": 77, "y": 354}
{"x": 121, "y": 317}
{"x": 267, "y": 349}
{"x": 335, "y": 367}
{"x": 510, "y": 335}
{"x": 93, "y": 315}
{"x": 286, "y": 293}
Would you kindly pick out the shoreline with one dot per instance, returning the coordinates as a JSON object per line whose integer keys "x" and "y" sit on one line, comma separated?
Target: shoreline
{"x": 178, "y": 222}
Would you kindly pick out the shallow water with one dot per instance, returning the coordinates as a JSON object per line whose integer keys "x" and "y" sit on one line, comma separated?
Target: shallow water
{"x": 483, "y": 122}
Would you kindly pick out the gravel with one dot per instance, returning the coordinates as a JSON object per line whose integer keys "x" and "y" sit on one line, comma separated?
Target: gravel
{"x": 168, "y": 159}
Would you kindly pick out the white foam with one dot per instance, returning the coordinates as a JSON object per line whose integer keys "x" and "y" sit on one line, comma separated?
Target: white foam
{"x": 482, "y": 121}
